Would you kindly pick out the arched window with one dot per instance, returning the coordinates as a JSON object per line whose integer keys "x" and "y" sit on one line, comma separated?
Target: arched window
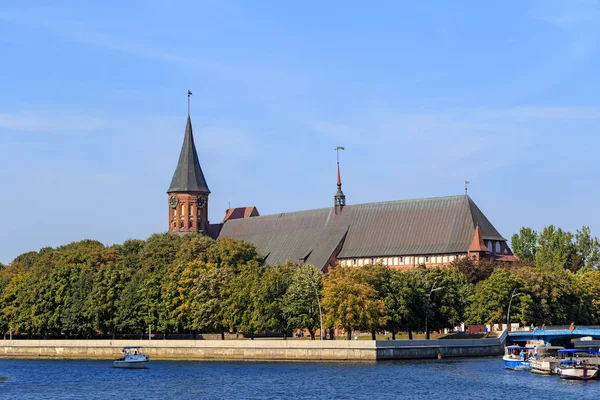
{"x": 490, "y": 246}
{"x": 498, "y": 247}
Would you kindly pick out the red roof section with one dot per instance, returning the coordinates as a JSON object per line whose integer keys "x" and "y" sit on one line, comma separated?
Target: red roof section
{"x": 240, "y": 212}
{"x": 477, "y": 244}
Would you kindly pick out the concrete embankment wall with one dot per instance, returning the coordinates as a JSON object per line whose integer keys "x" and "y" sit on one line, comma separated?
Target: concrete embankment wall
{"x": 301, "y": 350}
{"x": 420, "y": 349}
{"x": 309, "y": 350}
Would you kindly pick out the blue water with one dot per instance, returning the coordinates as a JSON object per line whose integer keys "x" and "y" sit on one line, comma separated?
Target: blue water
{"x": 483, "y": 378}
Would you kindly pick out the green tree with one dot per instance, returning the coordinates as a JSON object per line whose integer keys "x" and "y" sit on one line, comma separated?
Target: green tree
{"x": 405, "y": 303}
{"x": 588, "y": 294}
{"x": 103, "y": 303}
{"x": 156, "y": 257}
{"x": 553, "y": 294}
{"x": 268, "y": 298}
{"x": 447, "y": 291}
{"x": 350, "y": 302}
{"x": 524, "y": 245}
{"x": 300, "y": 304}
{"x": 490, "y": 301}
{"x": 587, "y": 251}
{"x": 555, "y": 248}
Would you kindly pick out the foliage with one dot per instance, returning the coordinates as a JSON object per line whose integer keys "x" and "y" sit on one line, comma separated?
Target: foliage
{"x": 490, "y": 301}
{"x": 193, "y": 284}
{"x": 524, "y": 244}
{"x": 350, "y": 301}
{"x": 300, "y": 303}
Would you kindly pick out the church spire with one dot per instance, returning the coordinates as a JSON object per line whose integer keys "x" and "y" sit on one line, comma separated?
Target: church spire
{"x": 339, "y": 200}
{"x": 188, "y": 192}
{"x": 188, "y": 176}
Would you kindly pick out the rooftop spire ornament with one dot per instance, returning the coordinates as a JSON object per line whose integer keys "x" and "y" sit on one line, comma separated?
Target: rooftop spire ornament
{"x": 466, "y": 188}
{"x": 339, "y": 198}
{"x": 189, "y": 98}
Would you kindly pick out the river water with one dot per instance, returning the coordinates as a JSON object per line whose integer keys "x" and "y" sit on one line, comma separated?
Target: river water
{"x": 483, "y": 378}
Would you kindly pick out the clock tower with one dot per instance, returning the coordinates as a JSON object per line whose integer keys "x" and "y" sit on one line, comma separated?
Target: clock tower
{"x": 188, "y": 193}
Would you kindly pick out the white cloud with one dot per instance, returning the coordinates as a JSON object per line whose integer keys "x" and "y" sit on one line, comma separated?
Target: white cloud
{"x": 452, "y": 143}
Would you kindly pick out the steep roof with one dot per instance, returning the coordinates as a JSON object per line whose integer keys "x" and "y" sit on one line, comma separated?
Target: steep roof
{"x": 407, "y": 227}
{"x": 188, "y": 176}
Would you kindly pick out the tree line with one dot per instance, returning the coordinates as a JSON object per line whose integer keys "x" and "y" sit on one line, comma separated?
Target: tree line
{"x": 193, "y": 284}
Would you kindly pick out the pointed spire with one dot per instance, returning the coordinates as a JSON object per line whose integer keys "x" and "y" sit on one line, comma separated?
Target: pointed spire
{"x": 188, "y": 176}
{"x": 477, "y": 244}
{"x": 339, "y": 200}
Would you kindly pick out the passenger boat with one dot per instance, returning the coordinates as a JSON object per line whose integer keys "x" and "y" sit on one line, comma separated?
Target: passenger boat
{"x": 576, "y": 364}
{"x": 133, "y": 357}
{"x": 545, "y": 359}
{"x": 517, "y": 357}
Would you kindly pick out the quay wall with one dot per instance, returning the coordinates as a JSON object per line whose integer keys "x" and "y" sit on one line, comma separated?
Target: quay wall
{"x": 274, "y": 350}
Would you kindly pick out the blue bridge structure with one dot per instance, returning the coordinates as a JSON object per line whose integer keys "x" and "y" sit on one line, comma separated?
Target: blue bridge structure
{"x": 553, "y": 335}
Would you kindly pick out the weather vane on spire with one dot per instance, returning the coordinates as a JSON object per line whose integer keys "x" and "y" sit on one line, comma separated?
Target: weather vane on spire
{"x": 337, "y": 151}
{"x": 466, "y": 187}
{"x": 189, "y": 96}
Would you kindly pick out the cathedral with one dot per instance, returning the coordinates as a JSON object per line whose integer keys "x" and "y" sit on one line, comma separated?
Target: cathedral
{"x": 399, "y": 233}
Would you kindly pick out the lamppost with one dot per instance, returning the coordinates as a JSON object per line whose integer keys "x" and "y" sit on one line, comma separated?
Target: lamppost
{"x": 433, "y": 289}
{"x": 319, "y": 303}
{"x": 509, "y": 304}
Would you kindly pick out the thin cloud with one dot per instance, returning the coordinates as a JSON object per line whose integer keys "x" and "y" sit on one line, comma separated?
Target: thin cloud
{"x": 451, "y": 143}
{"x": 43, "y": 122}
{"x": 78, "y": 32}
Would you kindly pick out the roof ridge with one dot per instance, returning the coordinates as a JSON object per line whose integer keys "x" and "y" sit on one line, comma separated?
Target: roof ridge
{"x": 365, "y": 204}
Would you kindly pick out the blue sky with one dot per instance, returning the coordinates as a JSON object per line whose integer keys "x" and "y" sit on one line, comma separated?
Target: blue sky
{"x": 423, "y": 96}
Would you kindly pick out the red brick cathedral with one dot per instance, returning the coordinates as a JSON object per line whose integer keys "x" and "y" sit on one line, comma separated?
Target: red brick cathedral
{"x": 398, "y": 233}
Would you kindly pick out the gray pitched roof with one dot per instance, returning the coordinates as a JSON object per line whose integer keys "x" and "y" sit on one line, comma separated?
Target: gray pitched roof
{"x": 407, "y": 227}
{"x": 188, "y": 176}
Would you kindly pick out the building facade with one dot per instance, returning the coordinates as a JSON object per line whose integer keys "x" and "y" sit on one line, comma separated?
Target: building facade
{"x": 400, "y": 234}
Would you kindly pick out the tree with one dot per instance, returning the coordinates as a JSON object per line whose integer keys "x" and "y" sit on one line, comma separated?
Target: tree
{"x": 553, "y": 294}
{"x": 300, "y": 303}
{"x": 490, "y": 301}
{"x": 210, "y": 291}
{"x": 155, "y": 258}
{"x": 587, "y": 251}
{"x": 405, "y": 303}
{"x": 103, "y": 303}
{"x": 474, "y": 271}
{"x": 555, "y": 248}
{"x": 447, "y": 291}
{"x": 350, "y": 302}
{"x": 524, "y": 245}
{"x": 268, "y": 296}
{"x": 588, "y": 295}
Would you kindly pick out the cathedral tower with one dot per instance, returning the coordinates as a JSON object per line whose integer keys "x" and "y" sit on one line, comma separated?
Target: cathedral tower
{"x": 188, "y": 193}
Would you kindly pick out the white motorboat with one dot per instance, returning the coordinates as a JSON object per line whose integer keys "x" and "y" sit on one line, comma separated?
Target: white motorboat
{"x": 133, "y": 357}
{"x": 577, "y": 365}
{"x": 517, "y": 357}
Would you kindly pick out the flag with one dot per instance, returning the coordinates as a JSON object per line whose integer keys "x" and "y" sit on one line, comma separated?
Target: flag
{"x": 339, "y": 148}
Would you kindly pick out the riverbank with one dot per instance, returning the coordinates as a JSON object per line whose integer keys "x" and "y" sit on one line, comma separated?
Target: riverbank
{"x": 272, "y": 350}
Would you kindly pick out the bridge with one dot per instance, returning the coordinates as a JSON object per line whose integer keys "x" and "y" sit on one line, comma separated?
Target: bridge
{"x": 551, "y": 335}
